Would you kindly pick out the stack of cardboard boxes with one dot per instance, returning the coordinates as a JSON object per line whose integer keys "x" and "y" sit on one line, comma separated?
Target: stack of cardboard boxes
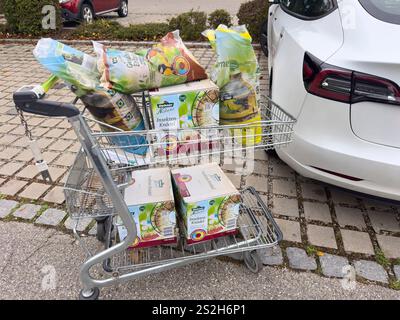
{"x": 201, "y": 197}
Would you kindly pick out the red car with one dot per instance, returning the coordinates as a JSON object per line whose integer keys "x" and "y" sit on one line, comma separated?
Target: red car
{"x": 87, "y": 10}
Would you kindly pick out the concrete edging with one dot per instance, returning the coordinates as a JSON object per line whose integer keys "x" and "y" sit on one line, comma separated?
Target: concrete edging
{"x": 114, "y": 42}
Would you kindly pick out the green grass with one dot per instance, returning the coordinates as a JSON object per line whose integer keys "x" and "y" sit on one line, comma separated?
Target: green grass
{"x": 381, "y": 259}
{"x": 397, "y": 261}
{"x": 311, "y": 250}
{"x": 43, "y": 209}
{"x": 395, "y": 285}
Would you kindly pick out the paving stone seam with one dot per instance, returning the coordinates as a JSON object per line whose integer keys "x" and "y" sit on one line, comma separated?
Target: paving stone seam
{"x": 335, "y": 222}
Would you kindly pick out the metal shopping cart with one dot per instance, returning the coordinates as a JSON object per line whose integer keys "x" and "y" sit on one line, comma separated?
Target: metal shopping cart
{"x": 96, "y": 182}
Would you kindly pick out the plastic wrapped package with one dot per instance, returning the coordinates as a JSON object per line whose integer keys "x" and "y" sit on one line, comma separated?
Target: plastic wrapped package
{"x": 237, "y": 75}
{"x": 79, "y": 71}
{"x": 120, "y": 111}
{"x": 165, "y": 64}
{"x": 76, "y": 68}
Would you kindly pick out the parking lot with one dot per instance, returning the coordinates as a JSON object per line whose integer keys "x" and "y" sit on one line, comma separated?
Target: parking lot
{"x": 160, "y": 11}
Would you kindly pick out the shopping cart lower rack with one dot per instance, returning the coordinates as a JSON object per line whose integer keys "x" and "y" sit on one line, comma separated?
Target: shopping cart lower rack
{"x": 102, "y": 169}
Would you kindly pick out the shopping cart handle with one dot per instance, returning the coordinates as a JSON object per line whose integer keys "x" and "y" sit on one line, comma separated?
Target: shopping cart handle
{"x": 28, "y": 101}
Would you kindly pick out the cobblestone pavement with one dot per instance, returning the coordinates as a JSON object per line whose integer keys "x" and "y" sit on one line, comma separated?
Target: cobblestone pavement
{"x": 325, "y": 229}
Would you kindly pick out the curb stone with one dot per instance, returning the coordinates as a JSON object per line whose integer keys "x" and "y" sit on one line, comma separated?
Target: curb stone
{"x": 298, "y": 259}
{"x": 271, "y": 256}
{"x": 81, "y": 226}
{"x": 51, "y": 217}
{"x": 371, "y": 270}
{"x": 6, "y": 206}
{"x": 332, "y": 265}
{"x": 397, "y": 272}
{"x": 27, "y": 211}
{"x": 188, "y": 44}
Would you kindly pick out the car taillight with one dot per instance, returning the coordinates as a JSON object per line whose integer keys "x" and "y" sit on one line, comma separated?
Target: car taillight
{"x": 343, "y": 85}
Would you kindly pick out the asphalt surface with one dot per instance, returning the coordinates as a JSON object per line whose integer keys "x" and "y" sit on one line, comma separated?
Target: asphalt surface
{"x": 161, "y": 10}
{"x": 40, "y": 263}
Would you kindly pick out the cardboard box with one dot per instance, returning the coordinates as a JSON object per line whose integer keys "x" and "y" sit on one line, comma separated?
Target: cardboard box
{"x": 207, "y": 201}
{"x": 150, "y": 200}
{"x": 190, "y": 105}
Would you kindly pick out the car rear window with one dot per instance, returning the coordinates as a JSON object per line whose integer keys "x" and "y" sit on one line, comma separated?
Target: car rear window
{"x": 308, "y": 9}
{"x": 385, "y": 10}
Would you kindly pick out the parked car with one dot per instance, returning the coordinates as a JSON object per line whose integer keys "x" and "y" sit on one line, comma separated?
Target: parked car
{"x": 87, "y": 10}
{"x": 335, "y": 66}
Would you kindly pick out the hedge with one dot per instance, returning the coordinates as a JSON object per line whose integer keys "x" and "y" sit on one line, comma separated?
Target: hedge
{"x": 218, "y": 17}
{"x": 106, "y": 29}
{"x": 191, "y": 24}
{"x": 25, "y": 16}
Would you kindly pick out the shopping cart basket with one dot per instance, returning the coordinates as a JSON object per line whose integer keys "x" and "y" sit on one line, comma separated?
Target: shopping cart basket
{"x": 101, "y": 171}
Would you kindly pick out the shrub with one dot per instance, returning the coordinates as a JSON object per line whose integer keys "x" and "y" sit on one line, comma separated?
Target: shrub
{"x": 218, "y": 17}
{"x": 1, "y": 7}
{"x": 99, "y": 29}
{"x": 191, "y": 24}
{"x": 253, "y": 14}
{"x": 3, "y": 29}
{"x": 106, "y": 29}
{"x": 143, "y": 32}
{"x": 25, "y": 16}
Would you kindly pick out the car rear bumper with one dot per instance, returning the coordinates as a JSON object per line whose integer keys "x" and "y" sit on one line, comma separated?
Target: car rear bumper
{"x": 323, "y": 139}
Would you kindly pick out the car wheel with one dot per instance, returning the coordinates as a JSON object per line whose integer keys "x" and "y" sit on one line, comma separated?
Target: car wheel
{"x": 123, "y": 10}
{"x": 264, "y": 38}
{"x": 87, "y": 14}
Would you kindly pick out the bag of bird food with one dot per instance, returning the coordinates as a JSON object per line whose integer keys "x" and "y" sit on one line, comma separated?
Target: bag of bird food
{"x": 76, "y": 68}
{"x": 237, "y": 75}
{"x": 79, "y": 71}
{"x": 165, "y": 64}
{"x": 119, "y": 111}
{"x": 207, "y": 202}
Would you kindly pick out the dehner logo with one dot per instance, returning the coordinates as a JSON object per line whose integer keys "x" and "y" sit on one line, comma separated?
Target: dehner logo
{"x": 165, "y": 104}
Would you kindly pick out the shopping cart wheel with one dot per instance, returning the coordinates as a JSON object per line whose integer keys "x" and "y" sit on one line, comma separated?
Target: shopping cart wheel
{"x": 101, "y": 231}
{"x": 89, "y": 294}
{"x": 252, "y": 261}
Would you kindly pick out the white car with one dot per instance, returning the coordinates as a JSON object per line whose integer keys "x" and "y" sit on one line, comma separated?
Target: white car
{"x": 335, "y": 66}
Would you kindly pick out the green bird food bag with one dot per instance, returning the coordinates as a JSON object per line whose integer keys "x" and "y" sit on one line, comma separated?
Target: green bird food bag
{"x": 79, "y": 71}
{"x": 165, "y": 64}
{"x": 237, "y": 75}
